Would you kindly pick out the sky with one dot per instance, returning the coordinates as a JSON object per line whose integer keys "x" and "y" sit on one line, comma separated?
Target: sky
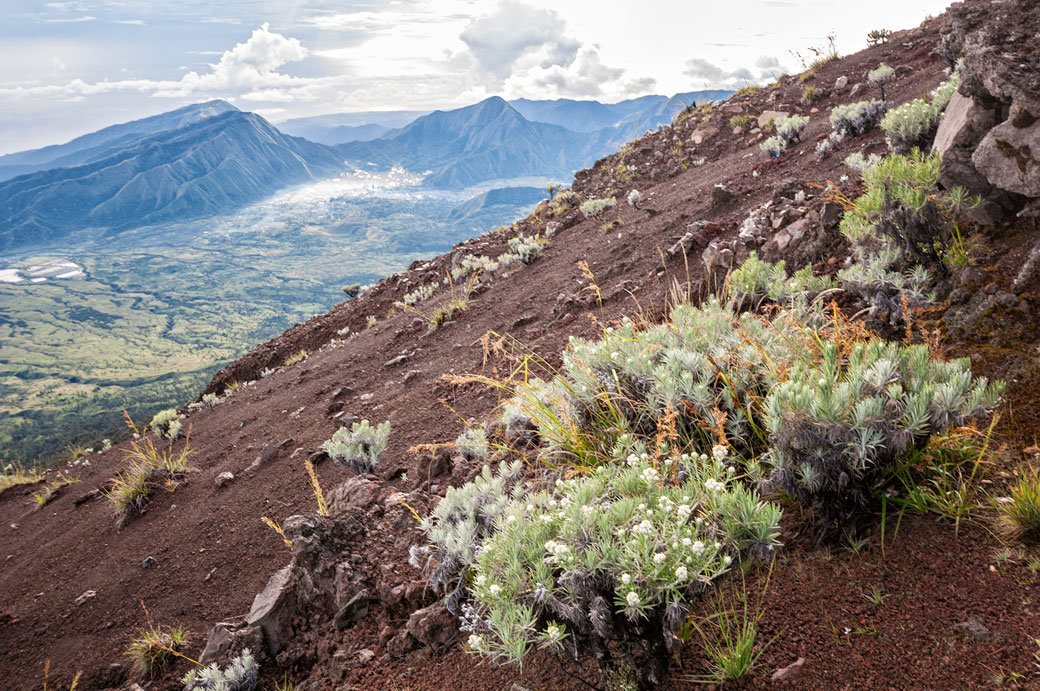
{"x": 71, "y": 67}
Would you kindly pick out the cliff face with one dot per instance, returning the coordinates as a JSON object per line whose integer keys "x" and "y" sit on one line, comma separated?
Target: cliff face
{"x": 348, "y": 609}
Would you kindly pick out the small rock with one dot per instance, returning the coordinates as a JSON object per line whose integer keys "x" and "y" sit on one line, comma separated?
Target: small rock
{"x": 790, "y": 671}
{"x": 975, "y": 628}
{"x": 87, "y": 595}
{"x": 433, "y": 625}
{"x": 365, "y": 656}
{"x": 223, "y": 479}
{"x": 1031, "y": 451}
{"x": 799, "y": 228}
{"x": 841, "y": 82}
{"x": 721, "y": 195}
{"x": 856, "y": 89}
{"x": 269, "y": 453}
{"x": 831, "y": 214}
{"x": 782, "y": 240}
{"x": 148, "y": 561}
{"x": 352, "y": 612}
{"x": 342, "y": 392}
{"x": 318, "y": 456}
{"x": 903, "y": 70}
{"x": 768, "y": 116}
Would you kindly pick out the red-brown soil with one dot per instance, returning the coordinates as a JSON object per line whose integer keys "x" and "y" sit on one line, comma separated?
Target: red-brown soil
{"x": 212, "y": 553}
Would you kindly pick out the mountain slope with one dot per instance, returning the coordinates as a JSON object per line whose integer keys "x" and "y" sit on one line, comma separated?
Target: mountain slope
{"x": 211, "y": 553}
{"x": 94, "y": 145}
{"x": 589, "y": 116}
{"x": 486, "y": 141}
{"x": 207, "y": 167}
{"x": 339, "y": 128}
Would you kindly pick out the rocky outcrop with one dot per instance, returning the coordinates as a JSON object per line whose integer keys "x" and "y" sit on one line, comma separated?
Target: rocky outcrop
{"x": 989, "y": 139}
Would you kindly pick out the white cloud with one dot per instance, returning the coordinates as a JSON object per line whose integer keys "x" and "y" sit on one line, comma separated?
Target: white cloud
{"x": 133, "y": 22}
{"x": 708, "y": 75}
{"x": 500, "y": 40}
{"x": 67, "y": 20}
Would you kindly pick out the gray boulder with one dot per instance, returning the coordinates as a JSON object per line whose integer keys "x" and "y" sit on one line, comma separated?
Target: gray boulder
{"x": 1009, "y": 157}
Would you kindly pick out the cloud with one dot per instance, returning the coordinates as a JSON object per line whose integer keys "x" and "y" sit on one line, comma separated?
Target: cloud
{"x": 767, "y": 61}
{"x": 248, "y": 66}
{"x": 712, "y": 76}
{"x": 513, "y": 31}
{"x": 133, "y": 22}
{"x": 68, "y": 20}
{"x": 583, "y": 77}
{"x": 248, "y": 69}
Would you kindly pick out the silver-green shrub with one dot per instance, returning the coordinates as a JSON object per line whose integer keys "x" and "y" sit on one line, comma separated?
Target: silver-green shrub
{"x": 240, "y": 675}
{"x": 900, "y": 230}
{"x": 839, "y": 422}
{"x": 881, "y": 76}
{"x": 757, "y": 280}
{"x": 597, "y": 207}
{"x": 166, "y": 424}
{"x": 616, "y": 556}
{"x": 472, "y": 444}
{"x": 419, "y": 294}
{"x": 701, "y": 369}
{"x": 460, "y": 523}
{"x": 914, "y": 124}
{"x": 788, "y": 131}
{"x": 853, "y": 119}
{"x": 358, "y": 448}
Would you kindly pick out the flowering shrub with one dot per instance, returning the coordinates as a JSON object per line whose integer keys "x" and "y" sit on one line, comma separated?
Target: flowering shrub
{"x": 564, "y": 201}
{"x": 881, "y": 76}
{"x": 698, "y": 372}
{"x": 757, "y": 280}
{"x": 900, "y": 229}
{"x": 616, "y": 555}
{"x": 419, "y": 294}
{"x": 788, "y": 131}
{"x": 597, "y": 207}
{"x": 359, "y": 448}
{"x": 914, "y": 124}
{"x": 852, "y": 119}
{"x": 473, "y": 444}
{"x": 240, "y": 675}
{"x": 166, "y": 424}
{"x": 839, "y": 421}
{"x": 460, "y": 523}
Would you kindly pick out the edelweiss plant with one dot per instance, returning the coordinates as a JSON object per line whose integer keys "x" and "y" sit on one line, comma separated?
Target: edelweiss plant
{"x": 473, "y": 444}
{"x": 597, "y": 207}
{"x": 460, "y": 523}
{"x": 241, "y": 674}
{"x": 914, "y": 124}
{"x": 419, "y": 294}
{"x": 853, "y": 119}
{"x": 166, "y": 424}
{"x": 881, "y": 76}
{"x": 839, "y": 422}
{"x": 756, "y": 281}
{"x": 358, "y": 449}
{"x": 788, "y": 131}
{"x": 698, "y": 372}
{"x": 901, "y": 229}
{"x": 614, "y": 556}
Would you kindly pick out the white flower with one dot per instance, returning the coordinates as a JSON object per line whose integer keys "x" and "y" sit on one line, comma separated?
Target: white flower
{"x": 719, "y": 452}
{"x": 553, "y": 633}
{"x": 632, "y": 598}
{"x": 494, "y": 589}
{"x": 697, "y": 548}
{"x": 727, "y": 560}
{"x": 660, "y": 557}
{"x": 687, "y": 542}
{"x": 681, "y": 573}
{"x": 476, "y": 642}
{"x": 481, "y": 579}
{"x": 713, "y": 485}
{"x": 646, "y": 527}
{"x": 633, "y": 459}
{"x": 626, "y": 579}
